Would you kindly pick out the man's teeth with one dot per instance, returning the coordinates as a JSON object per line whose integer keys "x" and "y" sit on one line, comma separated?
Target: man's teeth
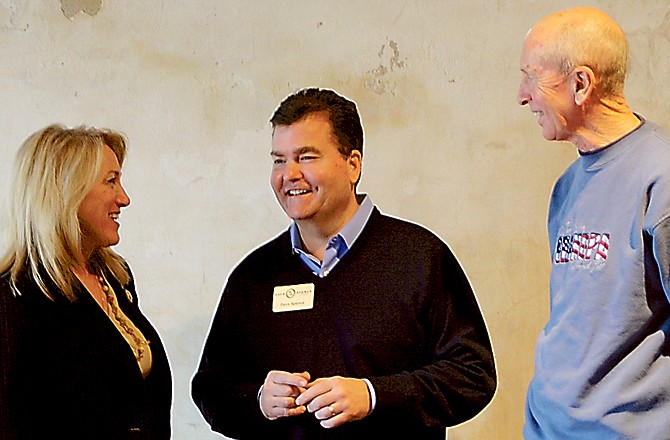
{"x": 297, "y": 192}
{"x": 114, "y": 216}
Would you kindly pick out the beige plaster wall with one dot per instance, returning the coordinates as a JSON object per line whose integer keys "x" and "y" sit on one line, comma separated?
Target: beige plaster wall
{"x": 193, "y": 83}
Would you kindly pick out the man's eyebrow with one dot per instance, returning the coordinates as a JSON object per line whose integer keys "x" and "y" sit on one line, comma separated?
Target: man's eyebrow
{"x": 301, "y": 150}
{"x": 308, "y": 149}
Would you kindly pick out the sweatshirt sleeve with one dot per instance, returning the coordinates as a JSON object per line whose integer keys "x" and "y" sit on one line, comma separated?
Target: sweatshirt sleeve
{"x": 661, "y": 251}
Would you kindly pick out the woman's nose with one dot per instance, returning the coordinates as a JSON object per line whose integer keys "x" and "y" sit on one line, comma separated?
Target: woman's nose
{"x": 123, "y": 199}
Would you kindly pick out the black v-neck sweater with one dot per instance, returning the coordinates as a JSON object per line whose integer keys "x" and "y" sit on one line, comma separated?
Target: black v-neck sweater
{"x": 397, "y": 310}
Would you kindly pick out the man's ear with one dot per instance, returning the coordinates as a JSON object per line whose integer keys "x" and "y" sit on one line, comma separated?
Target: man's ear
{"x": 355, "y": 162}
{"x": 582, "y": 82}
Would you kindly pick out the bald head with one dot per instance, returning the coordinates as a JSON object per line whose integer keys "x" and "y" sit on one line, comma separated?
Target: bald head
{"x": 583, "y": 36}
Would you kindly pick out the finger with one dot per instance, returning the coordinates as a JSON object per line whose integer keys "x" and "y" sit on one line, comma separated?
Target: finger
{"x": 283, "y": 407}
{"x": 271, "y": 392}
{"x": 314, "y": 390}
{"x": 285, "y": 378}
{"x": 283, "y": 402}
{"x": 296, "y": 411}
{"x": 284, "y": 411}
{"x": 275, "y": 390}
{"x": 305, "y": 375}
{"x": 274, "y": 385}
{"x": 335, "y": 421}
{"x": 320, "y": 402}
{"x": 325, "y": 412}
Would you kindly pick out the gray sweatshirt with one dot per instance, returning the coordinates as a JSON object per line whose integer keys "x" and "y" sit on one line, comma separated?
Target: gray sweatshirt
{"x": 602, "y": 365}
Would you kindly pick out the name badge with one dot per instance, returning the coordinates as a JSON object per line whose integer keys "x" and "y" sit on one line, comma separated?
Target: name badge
{"x": 293, "y": 298}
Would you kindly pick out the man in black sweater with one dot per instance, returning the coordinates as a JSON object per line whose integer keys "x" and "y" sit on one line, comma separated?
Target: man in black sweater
{"x": 349, "y": 325}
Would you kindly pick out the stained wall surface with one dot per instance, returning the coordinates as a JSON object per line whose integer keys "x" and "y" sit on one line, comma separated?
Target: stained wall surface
{"x": 193, "y": 83}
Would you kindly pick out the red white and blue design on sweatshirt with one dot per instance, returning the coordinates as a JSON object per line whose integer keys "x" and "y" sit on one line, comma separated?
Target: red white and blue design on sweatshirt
{"x": 582, "y": 246}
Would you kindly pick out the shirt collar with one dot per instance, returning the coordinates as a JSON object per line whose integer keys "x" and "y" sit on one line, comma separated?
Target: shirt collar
{"x": 349, "y": 233}
{"x": 598, "y": 158}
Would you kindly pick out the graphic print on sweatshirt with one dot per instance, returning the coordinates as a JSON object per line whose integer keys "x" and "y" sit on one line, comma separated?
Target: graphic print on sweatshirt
{"x": 582, "y": 246}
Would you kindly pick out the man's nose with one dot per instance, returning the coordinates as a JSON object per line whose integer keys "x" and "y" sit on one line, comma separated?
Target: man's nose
{"x": 523, "y": 97}
{"x": 293, "y": 170}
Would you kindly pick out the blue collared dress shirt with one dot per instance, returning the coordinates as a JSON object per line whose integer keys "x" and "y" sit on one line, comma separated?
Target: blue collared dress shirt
{"x": 338, "y": 245}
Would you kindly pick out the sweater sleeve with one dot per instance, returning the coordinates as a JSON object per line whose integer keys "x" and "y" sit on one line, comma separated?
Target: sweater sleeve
{"x": 458, "y": 378}
{"x": 221, "y": 389}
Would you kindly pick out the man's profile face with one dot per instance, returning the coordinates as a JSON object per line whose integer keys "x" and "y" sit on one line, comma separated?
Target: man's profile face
{"x": 546, "y": 91}
{"x": 311, "y": 179}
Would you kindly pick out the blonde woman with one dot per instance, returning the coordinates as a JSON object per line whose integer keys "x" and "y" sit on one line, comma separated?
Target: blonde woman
{"x": 79, "y": 359}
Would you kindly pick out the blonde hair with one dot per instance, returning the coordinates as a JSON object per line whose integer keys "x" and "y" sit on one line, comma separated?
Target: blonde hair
{"x": 54, "y": 170}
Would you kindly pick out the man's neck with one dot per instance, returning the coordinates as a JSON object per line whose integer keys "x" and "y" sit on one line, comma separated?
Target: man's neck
{"x": 608, "y": 122}
{"x": 315, "y": 234}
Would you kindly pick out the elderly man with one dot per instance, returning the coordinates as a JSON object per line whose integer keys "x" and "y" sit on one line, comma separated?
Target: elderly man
{"x": 349, "y": 325}
{"x": 602, "y": 361}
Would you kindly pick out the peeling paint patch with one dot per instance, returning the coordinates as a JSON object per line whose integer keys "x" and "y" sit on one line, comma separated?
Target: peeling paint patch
{"x": 72, "y": 7}
{"x": 13, "y": 15}
{"x": 395, "y": 60}
{"x": 377, "y": 78}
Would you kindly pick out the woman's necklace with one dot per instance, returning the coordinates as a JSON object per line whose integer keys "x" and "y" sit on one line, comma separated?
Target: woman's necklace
{"x": 104, "y": 299}
{"x": 95, "y": 287}
{"x": 138, "y": 342}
